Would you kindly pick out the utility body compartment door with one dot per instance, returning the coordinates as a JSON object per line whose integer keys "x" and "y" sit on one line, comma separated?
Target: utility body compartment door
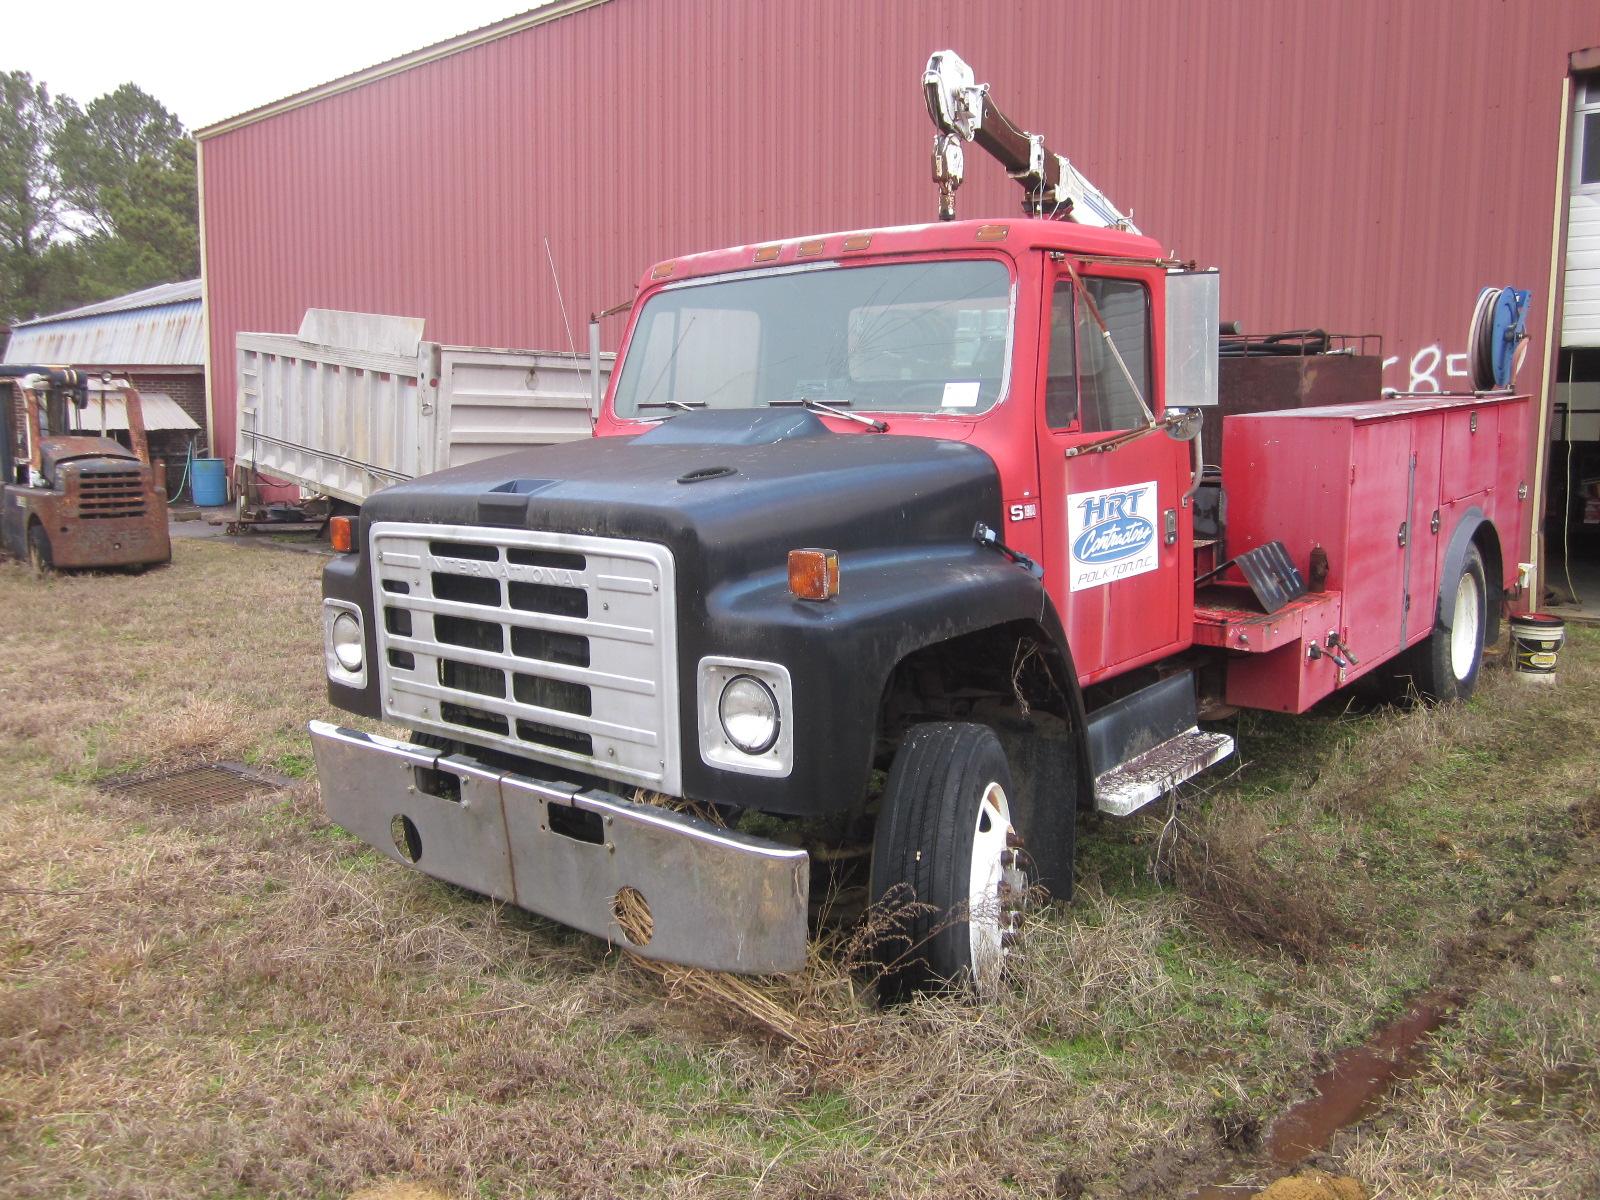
{"x": 1118, "y": 541}
{"x": 1471, "y": 450}
{"x": 1425, "y": 532}
{"x": 1378, "y": 539}
{"x": 1322, "y": 478}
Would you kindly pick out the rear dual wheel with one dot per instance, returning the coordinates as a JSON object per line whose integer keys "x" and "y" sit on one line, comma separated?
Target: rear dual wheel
{"x": 948, "y": 875}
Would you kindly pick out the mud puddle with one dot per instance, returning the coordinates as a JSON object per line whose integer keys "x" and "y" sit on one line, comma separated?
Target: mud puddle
{"x": 1350, "y": 1090}
{"x": 1355, "y": 1085}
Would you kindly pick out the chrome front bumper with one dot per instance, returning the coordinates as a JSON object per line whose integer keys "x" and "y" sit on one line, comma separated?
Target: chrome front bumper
{"x": 717, "y": 899}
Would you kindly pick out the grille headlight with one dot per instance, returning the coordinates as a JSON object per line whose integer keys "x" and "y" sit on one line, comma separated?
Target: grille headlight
{"x": 347, "y": 647}
{"x": 749, "y": 714}
{"x": 344, "y": 643}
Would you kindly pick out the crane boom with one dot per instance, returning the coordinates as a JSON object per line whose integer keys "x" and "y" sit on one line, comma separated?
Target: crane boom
{"x": 963, "y": 112}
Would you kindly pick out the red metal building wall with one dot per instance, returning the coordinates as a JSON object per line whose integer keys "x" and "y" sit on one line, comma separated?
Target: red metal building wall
{"x": 1361, "y": 165}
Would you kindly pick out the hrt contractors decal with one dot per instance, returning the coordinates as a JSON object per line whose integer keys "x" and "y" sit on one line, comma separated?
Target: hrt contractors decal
{"x": 1112, "y": 534}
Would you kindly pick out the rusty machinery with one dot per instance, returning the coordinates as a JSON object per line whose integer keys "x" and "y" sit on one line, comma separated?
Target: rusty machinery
{"x": 74, "y": 497}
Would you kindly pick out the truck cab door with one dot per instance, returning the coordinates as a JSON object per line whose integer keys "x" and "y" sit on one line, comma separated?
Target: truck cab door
{"x": 1118, "y": 538}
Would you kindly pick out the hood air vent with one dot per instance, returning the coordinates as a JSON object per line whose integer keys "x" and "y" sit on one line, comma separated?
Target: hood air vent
{"x": 703, "y": 473}
{"x": 507, "y": 504}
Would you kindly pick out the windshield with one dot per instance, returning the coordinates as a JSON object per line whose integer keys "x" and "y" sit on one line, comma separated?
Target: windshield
{"x": 920, "y": 337}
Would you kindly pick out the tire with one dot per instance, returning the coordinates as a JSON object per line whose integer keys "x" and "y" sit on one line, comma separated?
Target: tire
{"x": 946, "y": 871}
{"x": 1445, "y": 666}
{"x": 39, "y": 560}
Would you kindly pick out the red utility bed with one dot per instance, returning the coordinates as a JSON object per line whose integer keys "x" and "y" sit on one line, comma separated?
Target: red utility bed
{"x": 1382, "y": 487}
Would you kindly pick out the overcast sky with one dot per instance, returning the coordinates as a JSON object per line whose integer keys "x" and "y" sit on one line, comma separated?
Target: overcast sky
{"x": 214, "y": 60}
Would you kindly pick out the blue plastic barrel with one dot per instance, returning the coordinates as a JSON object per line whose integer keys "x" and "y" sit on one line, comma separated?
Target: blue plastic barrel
{"x": 209, "y": 482}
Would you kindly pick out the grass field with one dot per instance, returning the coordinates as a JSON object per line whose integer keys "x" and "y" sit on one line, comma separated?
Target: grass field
{"x": 239, "y": 1000}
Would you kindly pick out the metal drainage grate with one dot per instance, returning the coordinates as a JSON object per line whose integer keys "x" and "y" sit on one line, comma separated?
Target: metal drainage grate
{"x": 193, "y": 787}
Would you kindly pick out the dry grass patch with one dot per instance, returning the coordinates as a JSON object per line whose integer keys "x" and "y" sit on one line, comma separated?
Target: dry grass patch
{"x": 202, "y": 727}
{"x": 1339, "y": 829}
{"x": 241, "y": 1000}
{"x": 1250, "y": 879}
{"x": 215, "y": 656}
{"x": 1511, "y": 1104}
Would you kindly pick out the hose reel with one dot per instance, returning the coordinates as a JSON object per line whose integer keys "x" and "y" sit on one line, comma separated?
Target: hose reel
{"x": 1497, "y": 335}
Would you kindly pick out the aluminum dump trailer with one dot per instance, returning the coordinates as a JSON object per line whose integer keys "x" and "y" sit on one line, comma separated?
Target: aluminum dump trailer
{"x": 357, "y": 401}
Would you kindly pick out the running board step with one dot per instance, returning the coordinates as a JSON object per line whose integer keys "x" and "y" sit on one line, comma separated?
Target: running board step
{"x": 1147, "y": 777}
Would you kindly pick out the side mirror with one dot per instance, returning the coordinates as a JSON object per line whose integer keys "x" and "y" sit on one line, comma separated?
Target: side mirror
{"x": 1183, "y": 425}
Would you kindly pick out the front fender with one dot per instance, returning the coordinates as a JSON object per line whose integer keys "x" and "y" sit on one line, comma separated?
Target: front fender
{"x": 346, "y": 577}
{"x": 840, "y": 653}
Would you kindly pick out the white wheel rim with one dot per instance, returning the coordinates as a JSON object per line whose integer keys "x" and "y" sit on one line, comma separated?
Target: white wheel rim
{"x": 1465, "y": 634}
{"x": 995, "y": 887}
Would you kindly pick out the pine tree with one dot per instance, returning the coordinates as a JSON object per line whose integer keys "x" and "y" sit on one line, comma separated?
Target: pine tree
{"x": 93, "y": 202}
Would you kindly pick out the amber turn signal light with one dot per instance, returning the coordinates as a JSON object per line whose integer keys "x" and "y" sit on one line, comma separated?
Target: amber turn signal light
{"x": 814, "y": 574}
{"x": 342, "y": 534}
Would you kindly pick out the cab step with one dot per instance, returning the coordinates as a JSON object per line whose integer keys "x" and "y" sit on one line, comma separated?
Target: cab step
{"x": 1149, "y": 776}
{"x": 1147, "y": 742}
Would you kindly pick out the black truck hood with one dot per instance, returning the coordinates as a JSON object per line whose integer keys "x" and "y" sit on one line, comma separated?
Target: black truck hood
{"x": 730, "y": 494}
{"x": 734, "y": 490}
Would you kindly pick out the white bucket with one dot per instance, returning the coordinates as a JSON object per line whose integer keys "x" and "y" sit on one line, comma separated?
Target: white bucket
{"x": 1536, "y": 640}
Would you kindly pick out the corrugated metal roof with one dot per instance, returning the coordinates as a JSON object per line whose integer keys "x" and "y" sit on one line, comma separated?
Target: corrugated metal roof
{"x": 1362, "y": 166}
{"x": 158, "y": 326}
{"x": 150, "y": 297}
{"x": 161, "y": 411}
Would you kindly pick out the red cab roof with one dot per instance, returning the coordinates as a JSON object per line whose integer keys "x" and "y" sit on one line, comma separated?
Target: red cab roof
{"x": 1014, "y": 236}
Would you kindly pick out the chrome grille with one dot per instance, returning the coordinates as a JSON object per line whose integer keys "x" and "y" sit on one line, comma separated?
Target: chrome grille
{"x": 557, "y": 647}
{"x": 106, "y": 494}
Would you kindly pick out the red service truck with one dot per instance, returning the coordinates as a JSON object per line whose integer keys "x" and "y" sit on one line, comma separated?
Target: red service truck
{"x": 904, "y": 540}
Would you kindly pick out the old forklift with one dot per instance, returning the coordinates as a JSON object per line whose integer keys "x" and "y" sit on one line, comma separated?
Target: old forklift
{"x": 74, "y": 498}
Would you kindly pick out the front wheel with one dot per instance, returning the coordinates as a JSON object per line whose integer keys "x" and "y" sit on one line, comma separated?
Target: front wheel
{"x": 1446, "y": 665}
{"x": 946, "y": 864}
{"x": 39, "y": 559}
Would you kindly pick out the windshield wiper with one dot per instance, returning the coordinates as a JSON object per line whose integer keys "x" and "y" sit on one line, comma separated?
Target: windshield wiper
{"x": 833, "y": 408}
{"x": 680, "y": 405}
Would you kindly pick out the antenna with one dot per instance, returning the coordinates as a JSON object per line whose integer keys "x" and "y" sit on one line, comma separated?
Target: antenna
{"x": 572, "y": 346}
